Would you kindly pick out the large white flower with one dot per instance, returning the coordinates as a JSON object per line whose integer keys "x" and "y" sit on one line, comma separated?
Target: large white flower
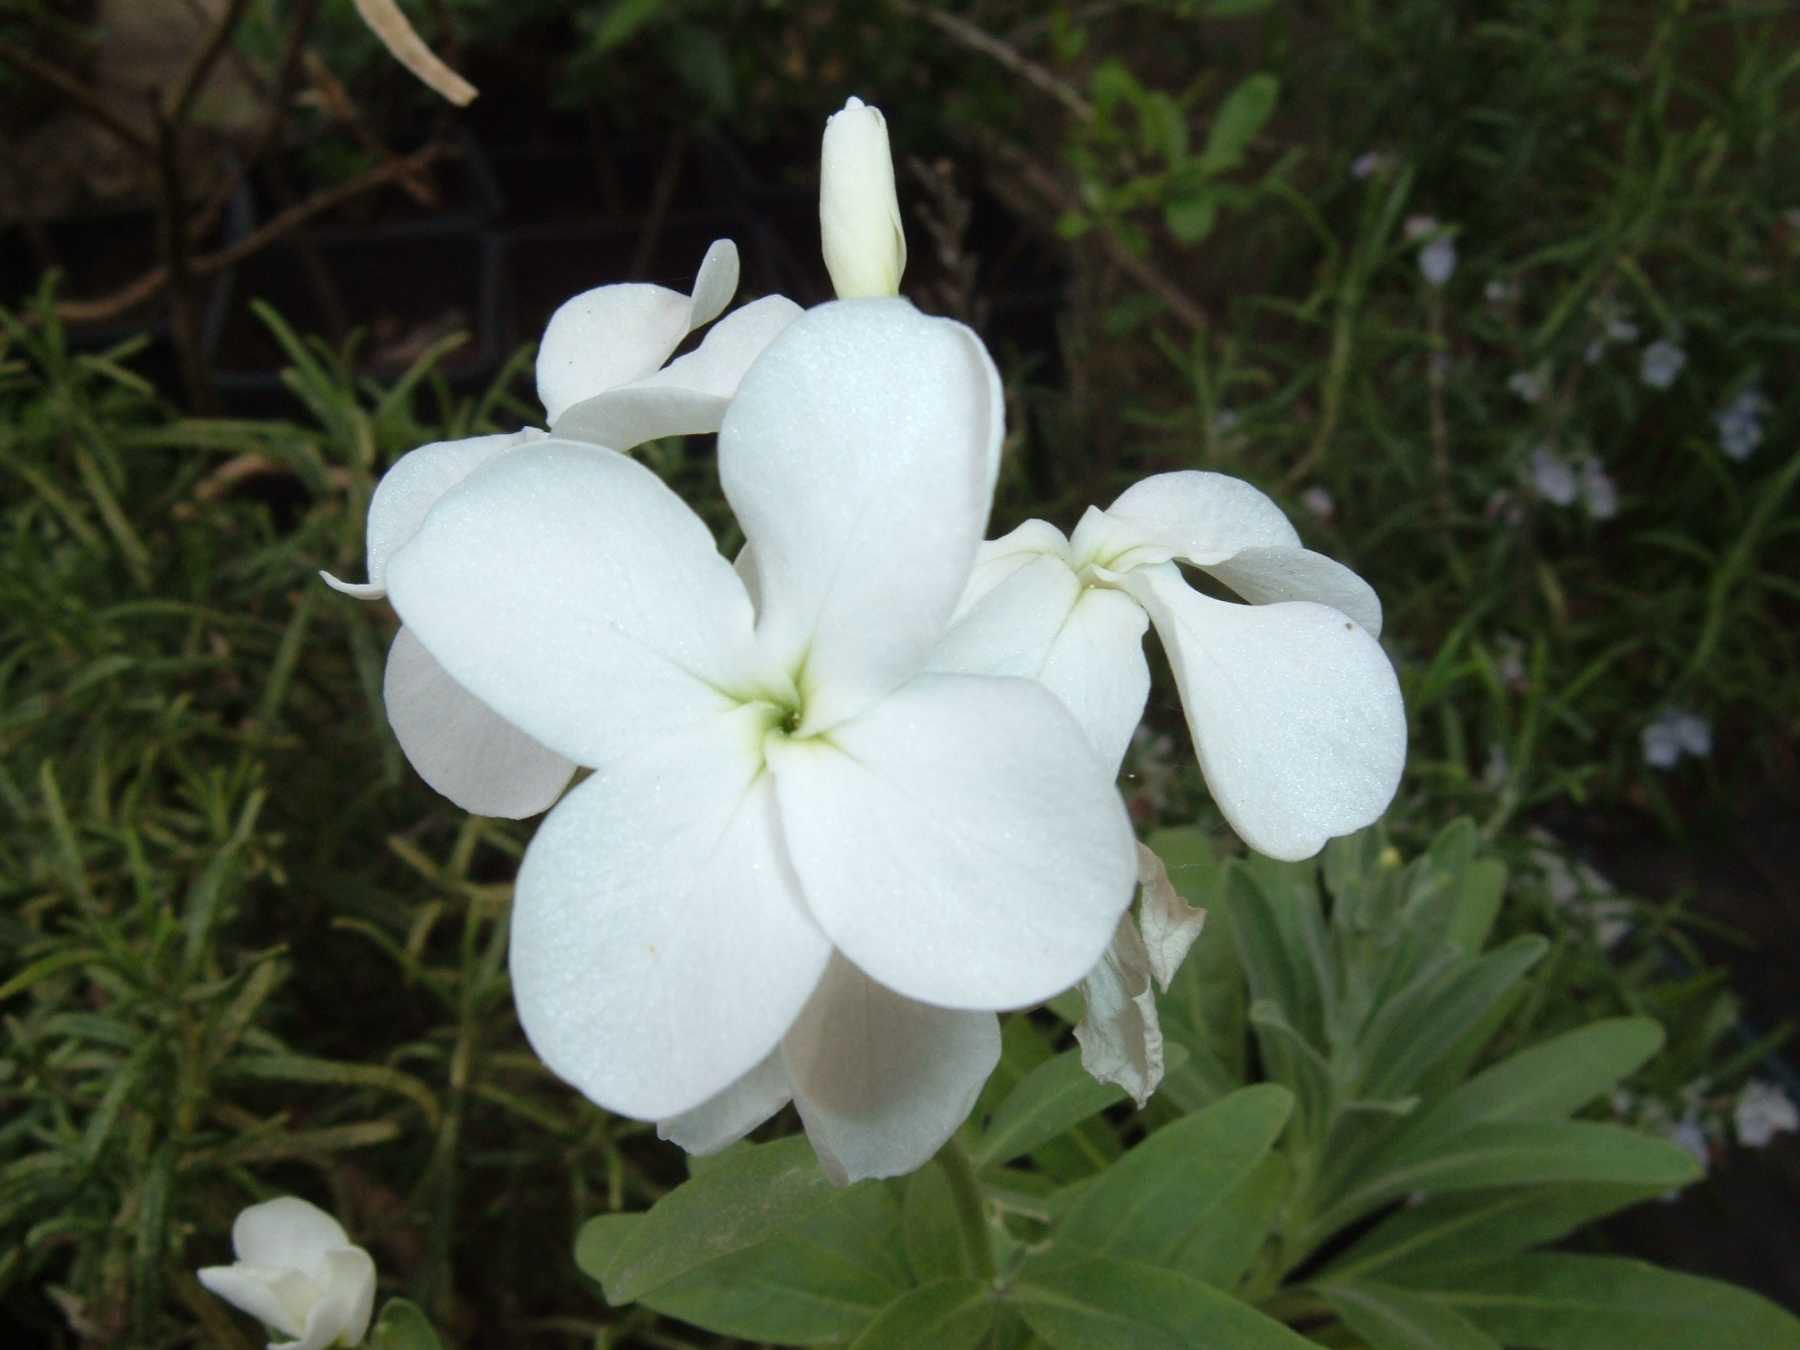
{"x": 602, "y": 379}
{"x": 803, "y": 860}
{"x": 297, "y": 1273}
{"x": 1294, "y": 709}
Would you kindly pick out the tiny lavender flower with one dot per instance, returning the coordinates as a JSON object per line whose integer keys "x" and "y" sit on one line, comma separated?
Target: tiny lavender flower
{"x": 1673, "y": 733}
{"x": 1552, "y": 476}
{"x": 1372, "y": 164}
{"x": 1662, "y": 362}
{"x": 1531, "y": 385}
{"x": 1437, "y": 260}
{"x": 1740, "y": 423}
{"x": 1599, "y": 494}
{"x": 1763, "y": 1111}
{"x": 1318, "y": 503}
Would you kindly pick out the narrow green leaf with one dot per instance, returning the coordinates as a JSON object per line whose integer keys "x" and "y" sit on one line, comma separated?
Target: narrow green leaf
{"x": 954, "y": 1314}
{"x": 1399, "y": 1319}
{"x": 1144, "y": 1206}
{"x": 1221, "y": 1249}
{"x": 1242, "y": 114}
{"x": 1054, "y": 1097}
{"x": 749, "y": 1195}
{"x": 930, "y": 1229}
{"x": 1121, "y": 1305}
{"x": 1564, "y": 1301}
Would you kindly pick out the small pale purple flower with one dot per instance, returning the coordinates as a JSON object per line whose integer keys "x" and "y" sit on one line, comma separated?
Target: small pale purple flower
{"x": 1599, "y": 494}
{"x": 1318, "y": 503}
{"x": 1763, "y": 1111}
{"x": 1437, "y": 260}
{"x": 1673, "y": 733}
{"x": 1662, "y": 362}
{"x": 1553, "y": 477}
{"x": 1531, "y": 385}
{"x": 1740, "y": 423}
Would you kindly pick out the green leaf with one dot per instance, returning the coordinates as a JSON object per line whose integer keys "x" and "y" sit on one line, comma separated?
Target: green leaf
{"x": 749, "y": 1195}
{"x": 1191, "y": 219}
{"x": 1144, "y": 1206}
{"x": 1120, "y": 1305}
{"x": 1562, "y": 1301}
{"x": 930, "y": 1229}
{"x": 1517, "y": 1153}
{"x": 1239, "y": 118}
{"x": 1220, "y": 1250}
{"x": 1398, "y": 1319}
{"x": 1545, "y": 1082}
{"x": 1481, "y": 888}
{"x": 821, "y": 1281}
{"x": 403, "y": 1326}
{"x": 621, "y": 21}
{"x": 1479, "y": 1227}
{"x": 1052, "y": 1098}
{"x": 954, "y": 1314}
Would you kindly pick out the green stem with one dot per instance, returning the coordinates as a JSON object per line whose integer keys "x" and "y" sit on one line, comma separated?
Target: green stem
{"x": 971, "y": 1208}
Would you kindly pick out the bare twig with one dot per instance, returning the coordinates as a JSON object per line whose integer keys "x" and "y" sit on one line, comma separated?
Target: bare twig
{"x": 979, "y": 40}
{"x": 340, "y": 105}
{"x": 277, "y": 227}
{"x": 661, "y": 194}
{"x": 53, "y": 76}
{"x": 181, "y": 102}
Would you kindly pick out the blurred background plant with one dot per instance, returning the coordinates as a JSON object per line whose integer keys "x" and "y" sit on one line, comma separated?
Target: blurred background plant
{"x": 1500, "y": 300}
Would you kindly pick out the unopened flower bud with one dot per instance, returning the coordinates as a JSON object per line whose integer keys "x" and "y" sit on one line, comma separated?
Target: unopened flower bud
{"x": 859, "y": 214}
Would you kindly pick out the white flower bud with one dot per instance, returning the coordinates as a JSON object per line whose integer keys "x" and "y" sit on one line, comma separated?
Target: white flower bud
{"x": 297, "y": 1273}
{"x": 859, "y": 214}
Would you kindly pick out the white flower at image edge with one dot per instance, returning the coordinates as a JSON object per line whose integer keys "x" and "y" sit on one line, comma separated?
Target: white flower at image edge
{"x": 602, "y": 379}
{"x": 806, "y": 865}
{"x": 298, "y": 1273}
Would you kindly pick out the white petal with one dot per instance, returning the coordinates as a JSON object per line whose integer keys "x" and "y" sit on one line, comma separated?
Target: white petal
{"x": 462, "y": 747}
{"x": 1168, "y": 924}
{"x": 568, "y": 589}
{"x": 960, "y": 841}
{"x": 1266, "y": 576}
{"x": 881, "y": 1081}
{"x": 859, "y": 215}
{"x": 276, "y": 1296}
{"x": 1083, "y": 644}
{"x": 687, "y": 397}
{"x": 859, "y": 455}
{"x": 341, "y": 1315}
{"x": 1294, "y": 709}
{"x": 286, "y": 1231}
{"x": 612, "y": 335}
{"x": 411, "y": 488}
{"x": 997, "y": 559}
{"x": 1200, "y": 516}
{"x": 660, "y": 948}
{"x": 726, "y": 1117}
{"x": 1119, "y": 1032}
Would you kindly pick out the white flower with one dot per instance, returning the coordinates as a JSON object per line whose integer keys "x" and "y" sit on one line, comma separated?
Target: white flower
{"x": 1673, "y": 733}
{"x": 1552, "y": 476}
{"x": 1318, "y": 503}
{"x": 1763, "y": 1111}
{"x": 1293, "y": 707}
{"x": 602, "y": 379}
{"x": 297, "y": 1273}
{"x": 1531, "y": 385}
{"x": 1120, "y": 1033}
{"x": 1437, "y": 260}
{"x": 1599, "y": 494}
{"x": 1661, "y": 363}
{"x": 807, "y": 865}
{"x": 859, "y": 213}
{"x": 1740, "y": 423}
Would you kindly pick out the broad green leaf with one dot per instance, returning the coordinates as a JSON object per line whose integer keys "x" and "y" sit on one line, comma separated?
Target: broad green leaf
{"x": 954, "y": 1314}
{"x": 1221, "y": 1249}
{"x": 1481, "y": 1226}
{"x": 1399, "y": 1319}
{"x": 1239, "y": 118}
{"x": 1052, "y": 1098}
{"x": 936, "y": 1248}
{"x": 749, "y": 1195}
{"x": 402, "y": 1326}
{"x": 1144, "y": 1206}
{"x": 1545, "y": 1082}
{"x": 821, "y": 1281}
{"x": 1191, "y": 219}
{"x": 1121, "y": 1305}
{"x": 1563, "y": 1301}
{"x": 1516, "y": 1153}
{"x": 1482, "y": 888}
{"x": 1205, "y": 1003}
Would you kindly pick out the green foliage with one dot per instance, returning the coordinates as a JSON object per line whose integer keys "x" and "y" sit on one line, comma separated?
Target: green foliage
{"x": 1406, "y": 1109}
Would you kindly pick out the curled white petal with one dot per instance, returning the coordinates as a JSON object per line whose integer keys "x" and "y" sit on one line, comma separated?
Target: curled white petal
{"x": 1194, "y": 515}
{"x": 881, "y": 1081}
{"x": 1119, "y": 1033}
{"x": 1169, "y": 924}
{"x": 859, "y": 212}
{"x": 298, "y": 1273}
{"x": 1267, "y": 576}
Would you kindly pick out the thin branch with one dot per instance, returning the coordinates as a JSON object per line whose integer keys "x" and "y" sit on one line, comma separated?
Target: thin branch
{"x": 277, "y": 227}
{"x": 182, "y": 103}
{"x": 71, "y": 88}
{"x": 979, "y": 40}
